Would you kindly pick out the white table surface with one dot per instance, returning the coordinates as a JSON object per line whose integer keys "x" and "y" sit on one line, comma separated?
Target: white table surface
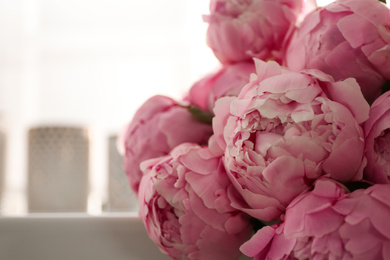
{"x": 75, "y": 237}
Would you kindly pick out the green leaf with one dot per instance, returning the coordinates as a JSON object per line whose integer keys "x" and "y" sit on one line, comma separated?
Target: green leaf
{"x": 201, "y": 115}
{"x": 383, "y": 1}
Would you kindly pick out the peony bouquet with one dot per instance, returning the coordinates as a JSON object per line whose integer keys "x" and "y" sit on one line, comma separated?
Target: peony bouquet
{"x": 284, "y": 152}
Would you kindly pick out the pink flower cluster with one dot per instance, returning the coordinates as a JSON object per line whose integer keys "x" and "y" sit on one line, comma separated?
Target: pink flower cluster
{"x": 283, "y": 153}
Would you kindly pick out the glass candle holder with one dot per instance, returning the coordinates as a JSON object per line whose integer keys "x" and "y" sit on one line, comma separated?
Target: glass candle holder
{"x": 120, "y": 197}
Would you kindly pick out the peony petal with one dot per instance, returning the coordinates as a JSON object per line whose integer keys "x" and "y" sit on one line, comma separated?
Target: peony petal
{"x": 222, "y": 106}
{"x": 348, "y": 93}
{"x": 266, "y": 70}
{"x": 258, "y": 242}
{"x": 194, "y": 162}
{"x": 261, "y": 207}
{"x": 352, "y": 26}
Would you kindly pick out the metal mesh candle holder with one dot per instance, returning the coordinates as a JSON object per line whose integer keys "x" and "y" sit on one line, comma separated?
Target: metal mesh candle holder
{"x": 58, "y": 169}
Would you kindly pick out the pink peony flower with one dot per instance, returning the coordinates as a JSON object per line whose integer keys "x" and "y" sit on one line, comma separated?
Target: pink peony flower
{"x": 240, "y": 30}
{"x": 286, "y": 129}
{"x": 377, "y": 132}
{"x": 228, "y": 81}
{"x": 158, "y": 126}
{"x": 327, "y": 223}
{"x": 347, "y": 38}
{"x": 185, "y": 208}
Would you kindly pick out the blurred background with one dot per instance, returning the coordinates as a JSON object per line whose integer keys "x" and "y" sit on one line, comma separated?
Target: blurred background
{"x": 72, "y": 74}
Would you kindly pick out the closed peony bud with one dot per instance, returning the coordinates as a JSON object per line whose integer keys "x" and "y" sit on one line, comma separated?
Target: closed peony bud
{"x": 158, "y": 126}
{"x": 347, "y": 38}
{"x": 228, "y": 81}
{"x": 241, "y": 30}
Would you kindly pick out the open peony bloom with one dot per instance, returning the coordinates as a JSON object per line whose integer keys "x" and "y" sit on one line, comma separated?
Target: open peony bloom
{"x": 347, "y": 38}
{"x": 158, "y": 126}
{"x": 185, "y": 208}
{"x": 240, "y": 30}
{"x": 377, "y": 132}
{"x": 327, "y": 223}
{"x": 228, "y": 81}
{"x": 286, "y": 129}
